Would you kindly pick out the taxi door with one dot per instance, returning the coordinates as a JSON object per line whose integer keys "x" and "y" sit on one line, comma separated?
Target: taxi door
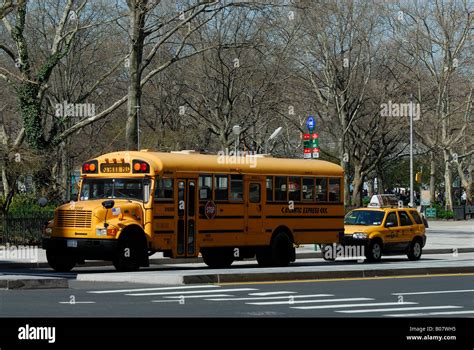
{"x": 409, "y": 230}
{"x": 392, "y": 230}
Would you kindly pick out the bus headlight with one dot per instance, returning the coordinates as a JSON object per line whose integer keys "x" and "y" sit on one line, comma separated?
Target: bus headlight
{"x": 48, "y": 231}
{"x": 109, "y": 231}
{"x": 359, "y": 235}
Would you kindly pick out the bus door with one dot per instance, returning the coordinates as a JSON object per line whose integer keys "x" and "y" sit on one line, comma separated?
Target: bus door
{"x": 186, "y": 239}
{"x": 254, "y": 222}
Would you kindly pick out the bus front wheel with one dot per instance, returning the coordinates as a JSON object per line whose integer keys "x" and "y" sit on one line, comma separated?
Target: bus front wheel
{"x": 60, "y": 261}
{"x": 128, "y": 255}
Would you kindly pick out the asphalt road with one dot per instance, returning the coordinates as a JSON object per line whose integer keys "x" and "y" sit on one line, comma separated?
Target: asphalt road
{"x": 435, "y": 296}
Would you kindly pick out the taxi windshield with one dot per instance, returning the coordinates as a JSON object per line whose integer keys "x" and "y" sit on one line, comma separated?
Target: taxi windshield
{"x": 364, "y": 217}
{"x": 137, "y": 189}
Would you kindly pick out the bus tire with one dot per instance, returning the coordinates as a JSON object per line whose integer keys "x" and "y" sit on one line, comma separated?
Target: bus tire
{"x": 218, "y": 258}
{"x": 128, "y": 255}
{"x": 282, "y": 250}
{"x": 264, "y": 256}
{"x": 415, "y": 250}
{"x": 60, "y": 261}
{"x": 374, "y": 251}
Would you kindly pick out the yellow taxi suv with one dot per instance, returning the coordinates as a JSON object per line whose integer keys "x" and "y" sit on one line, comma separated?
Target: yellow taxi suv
{"x": 390, "y": 231}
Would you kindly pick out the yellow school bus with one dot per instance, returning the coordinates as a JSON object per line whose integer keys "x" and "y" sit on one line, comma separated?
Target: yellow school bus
{"x": 134, "y": 204}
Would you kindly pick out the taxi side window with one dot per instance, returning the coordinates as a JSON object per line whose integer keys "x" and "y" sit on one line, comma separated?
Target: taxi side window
{"x": 392, "y": 217}
{"x": 404, "y": 219}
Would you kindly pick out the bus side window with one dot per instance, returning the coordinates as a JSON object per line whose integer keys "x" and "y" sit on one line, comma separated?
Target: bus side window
{"x": 308, "y": 189}
{"x": 269, "y": 188}
{"x": 205, "y": 187}
{"x": 164, "y": 190}
{"x": 236, "y": 188}
{"x": 221, "y": 188}
{"x": 280, "y": 188}
{"x": 334, "y": 189}
{"x": 294, "y": 188}
{"x": 321, "y": 194}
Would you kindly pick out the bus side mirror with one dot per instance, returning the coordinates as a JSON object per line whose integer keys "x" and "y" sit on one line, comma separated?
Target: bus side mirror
{"x": 108, "y": 204}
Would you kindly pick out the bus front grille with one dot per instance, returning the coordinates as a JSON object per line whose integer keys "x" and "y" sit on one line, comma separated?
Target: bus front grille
{"x": 74, "y": 218}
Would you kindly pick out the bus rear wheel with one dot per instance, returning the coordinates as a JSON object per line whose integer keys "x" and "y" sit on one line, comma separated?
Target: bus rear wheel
{"x": 217, "y": 258}
{"x": 282, "y": 250}
{"x": 60, "y": 261}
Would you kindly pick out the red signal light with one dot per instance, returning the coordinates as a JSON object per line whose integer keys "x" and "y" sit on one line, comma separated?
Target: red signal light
{"x": 143, "y": 167}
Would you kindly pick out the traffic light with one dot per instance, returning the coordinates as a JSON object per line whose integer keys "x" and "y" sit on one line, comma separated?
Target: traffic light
{"x": 418, "y": 177}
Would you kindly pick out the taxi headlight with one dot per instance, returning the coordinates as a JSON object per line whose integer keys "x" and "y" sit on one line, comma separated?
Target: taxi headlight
{"x": 359, "y": 235}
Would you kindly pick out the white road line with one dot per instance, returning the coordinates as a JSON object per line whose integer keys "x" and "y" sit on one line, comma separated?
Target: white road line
{"x": 291, "y": 302}
{"x": 77, "y": 302}
{"x": 270, "y": 293}
{"x": 199, "y": 296}
{"x": 401, "y": 309}
{"x": 193, "y": 292}
{"x": 433, "y": 313}
{"x": 274, "y": 298}
{"x": 150, "y": 289}
{"x": 437, "y": 292}
{"x": 165, "y": 301}
{"x": 340, "y": 306}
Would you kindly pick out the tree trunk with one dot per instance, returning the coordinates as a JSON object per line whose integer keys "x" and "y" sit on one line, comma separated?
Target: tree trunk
{"x": 345, "y": 166}
{"x": 137, "y": 37}
{"x": 371, "y": 186}
{"x": 432, "y": 178}
{"x": 448, "y": 181}
{"x": 66, "y": 192}
{"x": 356, "y": 199}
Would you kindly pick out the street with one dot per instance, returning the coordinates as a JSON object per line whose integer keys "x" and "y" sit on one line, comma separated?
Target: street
{"x": 428, "y": 296}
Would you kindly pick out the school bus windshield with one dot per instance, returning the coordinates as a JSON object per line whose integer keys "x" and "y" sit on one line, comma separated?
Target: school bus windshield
{"x": 138, "y": 189}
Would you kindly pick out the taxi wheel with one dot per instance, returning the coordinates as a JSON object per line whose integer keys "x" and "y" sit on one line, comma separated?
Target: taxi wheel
{"x": 60, "y": 262}
{"x": 374, "y": 251}
{"x": 415, "y": 250}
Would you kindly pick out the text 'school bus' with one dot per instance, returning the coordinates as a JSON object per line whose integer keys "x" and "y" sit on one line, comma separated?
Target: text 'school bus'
{"x": 133, "y": 204}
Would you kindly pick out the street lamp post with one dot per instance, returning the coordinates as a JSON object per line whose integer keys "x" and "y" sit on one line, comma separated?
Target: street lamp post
{"x": 272, "y": 136}
{"x": 236, "y": 129}
{"x": 411, "y": 204}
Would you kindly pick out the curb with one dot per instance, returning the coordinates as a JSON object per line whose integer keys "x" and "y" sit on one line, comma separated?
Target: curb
{"x": 246, "y": 277}
{"x": 34, "y": 283}
{"x": 168, "y": 261}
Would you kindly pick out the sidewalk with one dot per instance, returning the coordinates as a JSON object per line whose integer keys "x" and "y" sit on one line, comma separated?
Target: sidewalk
{"x": 442, "y": 237}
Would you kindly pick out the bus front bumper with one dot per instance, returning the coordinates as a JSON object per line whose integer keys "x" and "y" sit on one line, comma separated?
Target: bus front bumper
{"x": 88, "y": 249}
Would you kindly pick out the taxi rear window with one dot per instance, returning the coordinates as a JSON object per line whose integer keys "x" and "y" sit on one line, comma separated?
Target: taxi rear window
{"x": 416, "y": 216}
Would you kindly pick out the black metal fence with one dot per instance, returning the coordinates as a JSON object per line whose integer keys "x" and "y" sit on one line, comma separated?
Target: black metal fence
{"x": 23, "y": 228}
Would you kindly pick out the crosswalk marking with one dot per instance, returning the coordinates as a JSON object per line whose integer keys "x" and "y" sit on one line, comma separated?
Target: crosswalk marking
{"x": 150, "y": 289}
{"x": 437, "y": 292}
{"x": 287, "y": 297}
{"x": 401, "y": 309}
{"x": 199, "y": 296}
{"x": 340, "y": 306}
{"x": 464, "y": 312}
{"x": 193, "y": 292}
{"x": 290, "y": 302}
{"x": 77, "y": 302}
{"x": 270, "y": 293}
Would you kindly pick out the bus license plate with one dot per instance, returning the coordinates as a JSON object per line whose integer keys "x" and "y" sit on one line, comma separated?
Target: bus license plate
{"x": 72, "y": 243}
